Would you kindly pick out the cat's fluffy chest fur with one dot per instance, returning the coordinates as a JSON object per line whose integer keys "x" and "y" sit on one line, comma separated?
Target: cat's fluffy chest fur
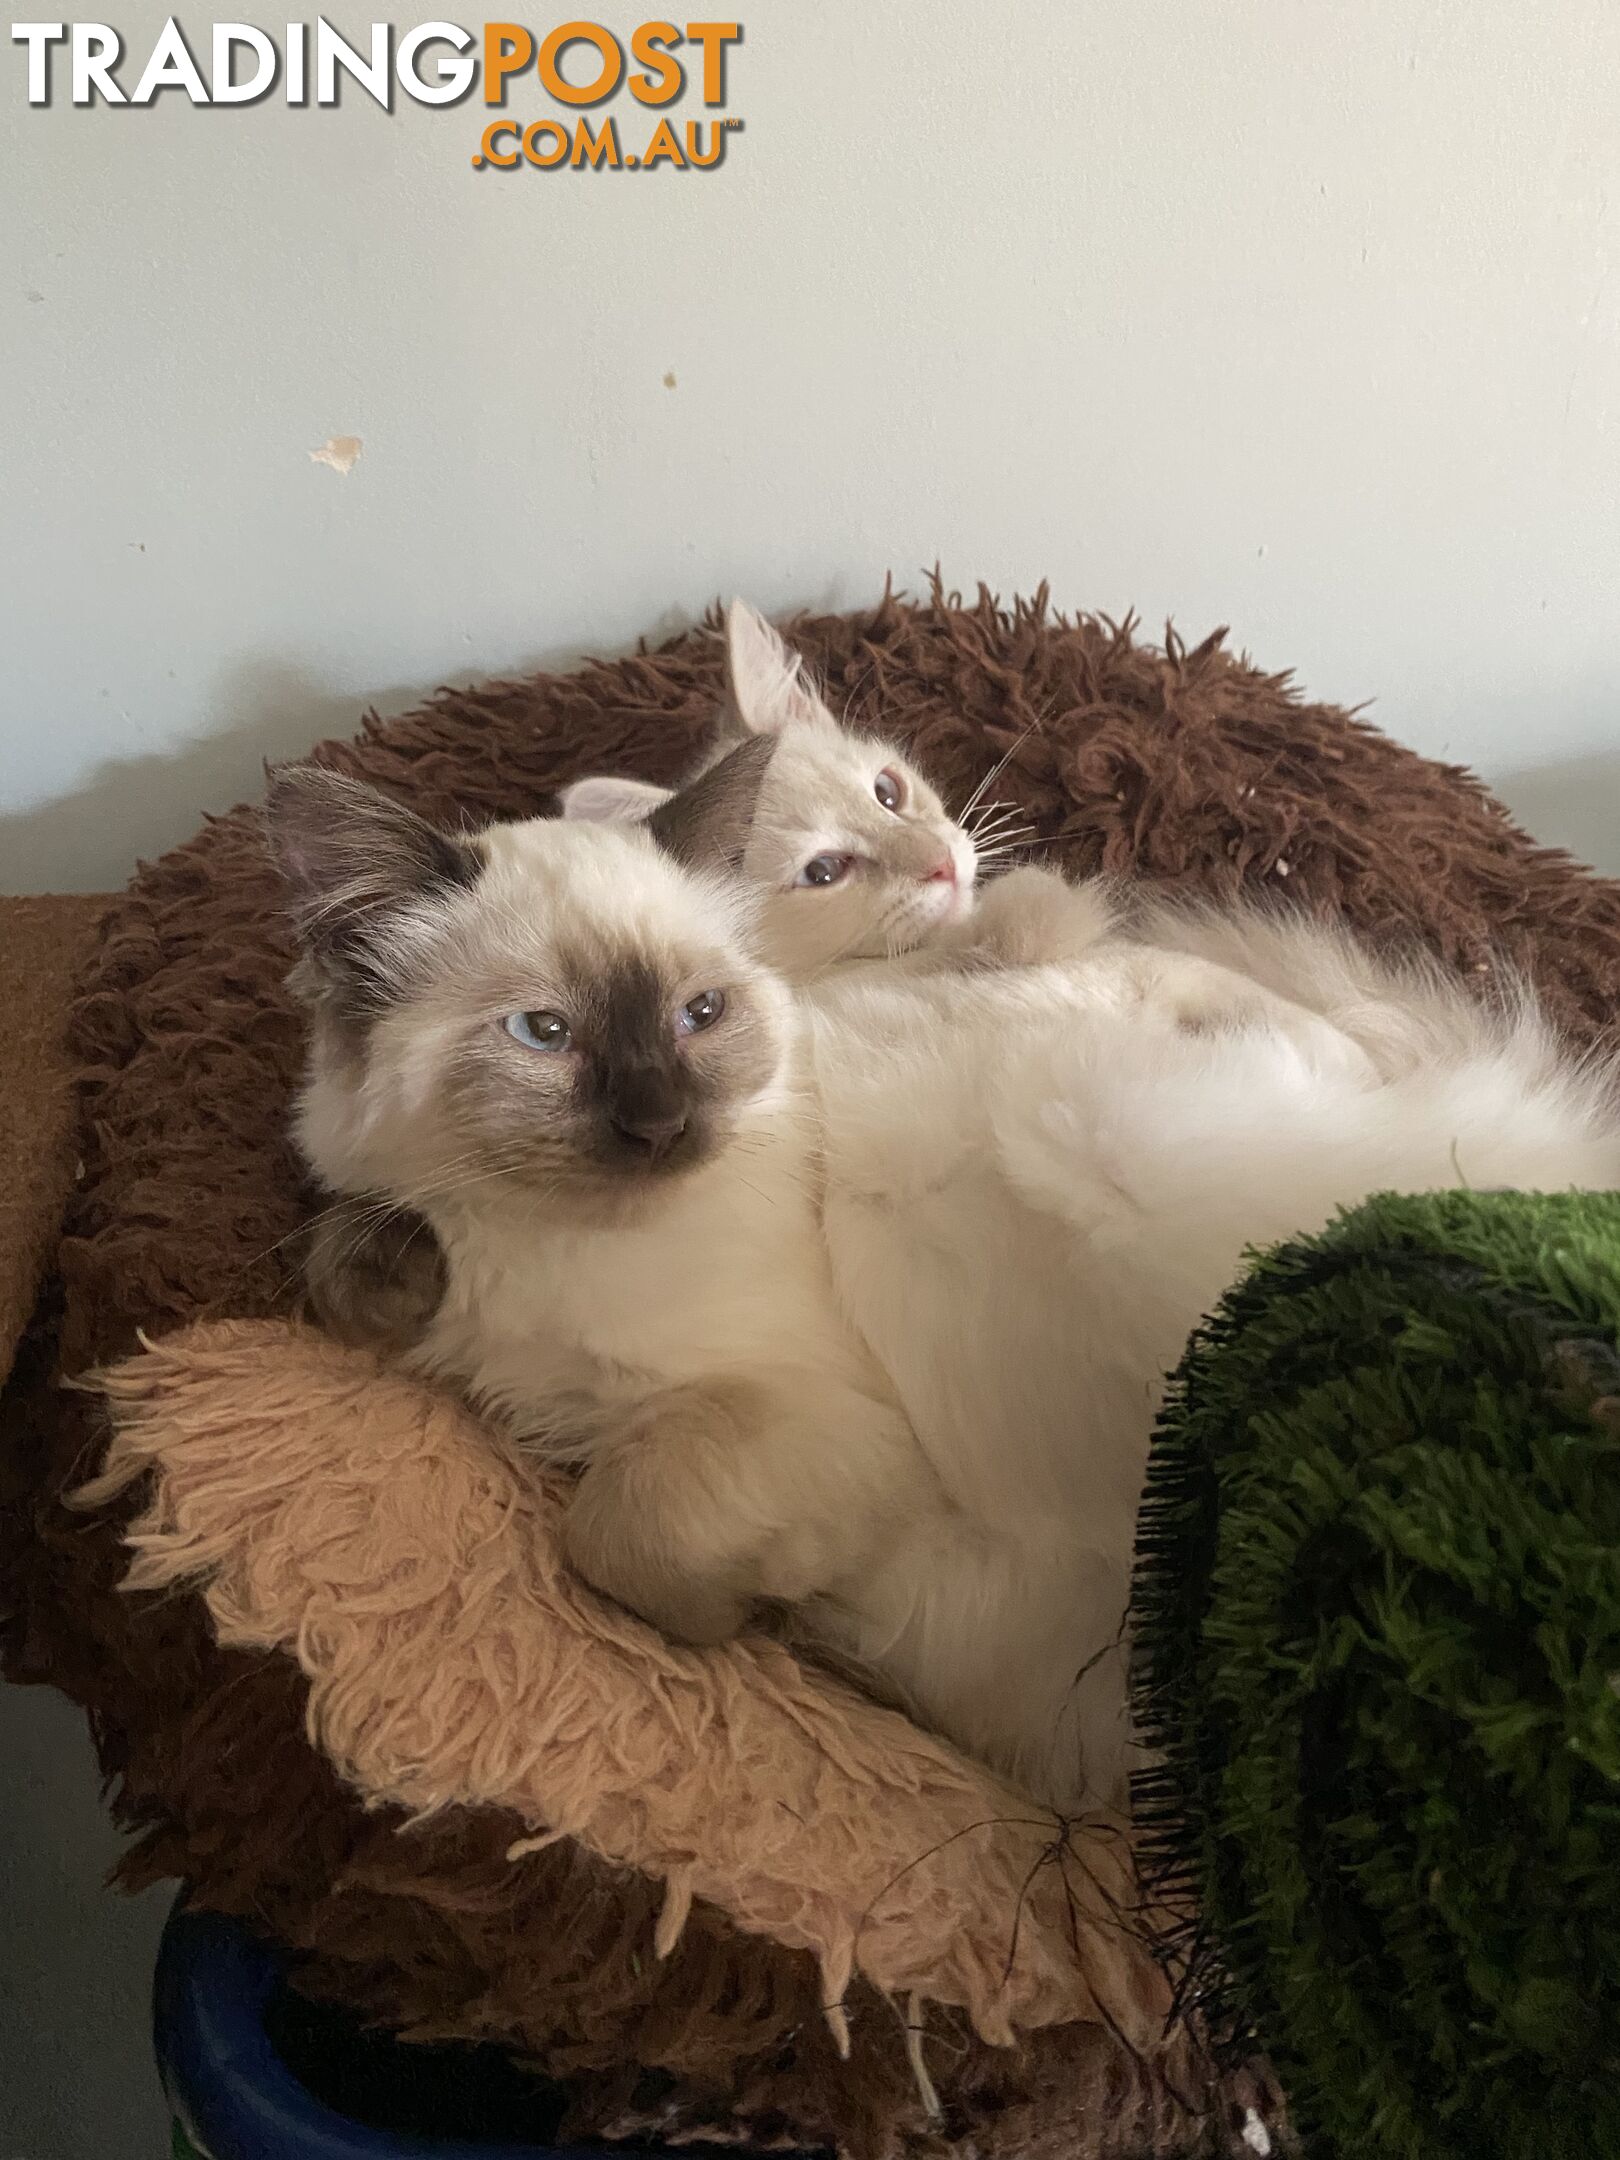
{"x": 712, "y": 1274}
{"x": 699, "y": 1323}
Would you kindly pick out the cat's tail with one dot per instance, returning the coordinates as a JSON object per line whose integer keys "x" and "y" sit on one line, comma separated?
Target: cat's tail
{"x": 1189, "y": 1150}
{"x": 1405, "y": 1010}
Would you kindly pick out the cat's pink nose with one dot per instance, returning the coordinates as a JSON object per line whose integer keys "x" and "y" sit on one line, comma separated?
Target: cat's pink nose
{"x": 943, "y": 872}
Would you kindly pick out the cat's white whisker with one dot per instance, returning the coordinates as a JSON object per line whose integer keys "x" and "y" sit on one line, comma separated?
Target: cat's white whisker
{"x": 994, "y": 834}
{"x": 996, "y": 770}
{"x": 1007, "y": 813}
{"x": 983, "y": 833}
{"x": 1005, "y": 844}
{"x": 983, "y": 810}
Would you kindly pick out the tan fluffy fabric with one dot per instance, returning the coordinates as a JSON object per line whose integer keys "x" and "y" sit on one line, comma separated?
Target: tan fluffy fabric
{"x": 1187, "y": 766}
{"x": 370, "y": 1528}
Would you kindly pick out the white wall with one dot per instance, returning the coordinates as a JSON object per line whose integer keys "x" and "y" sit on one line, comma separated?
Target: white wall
{"x": 1298, "y": 316}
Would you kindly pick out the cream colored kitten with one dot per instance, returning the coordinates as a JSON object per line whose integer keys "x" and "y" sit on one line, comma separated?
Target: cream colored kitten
{"x": 1017, "y": 1164}
{"x": 851, "y": 855}
{"x": 553, "y": 1042}
{"x": 1048, "y": 1136}
{"x": 1038, "y": 1182}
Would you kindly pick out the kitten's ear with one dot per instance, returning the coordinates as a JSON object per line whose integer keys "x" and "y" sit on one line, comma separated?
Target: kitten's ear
{"x": 766, "y": 689}
{"x": 351, "y": 858}
{"x": 706, "y": 825}
{"x": 601, "y": 801}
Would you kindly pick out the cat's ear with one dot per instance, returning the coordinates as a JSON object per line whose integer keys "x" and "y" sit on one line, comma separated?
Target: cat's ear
{"x": 766, "y": 688}
{"x": 602, "y": 801}
{"x": 707, "y": 823}
{"x": 352, "y": 859}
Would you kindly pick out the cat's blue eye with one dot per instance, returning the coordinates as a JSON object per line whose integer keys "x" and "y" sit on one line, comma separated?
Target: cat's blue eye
{"x": 538, "y": 1030}
{"x": 701, "y": 1012}
{"x": 890, "y": 789}
{"x": 824, "y": 870}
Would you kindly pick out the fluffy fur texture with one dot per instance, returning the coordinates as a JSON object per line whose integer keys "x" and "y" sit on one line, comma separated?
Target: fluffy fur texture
{"x": 679, "y": 1338}
{"x": 350, "y": 1518}
{"x": 633, "y": 1276}
{"x": 676, "y": 1337}
{"x": 1039, "y": 1181}
{"x": 1110, "y": 1110}
{"x": 846, "y": 853}
{"x": 1184, "y": 767}
{"x": 43, "y": 942}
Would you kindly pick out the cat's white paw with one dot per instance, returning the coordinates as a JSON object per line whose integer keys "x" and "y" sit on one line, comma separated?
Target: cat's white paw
{"x": 1033, "y": 917}
{"x": 615, "y": 1549}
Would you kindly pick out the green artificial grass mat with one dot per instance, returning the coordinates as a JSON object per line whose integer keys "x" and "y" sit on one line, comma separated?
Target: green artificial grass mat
{"x": 1377, "y": 1643}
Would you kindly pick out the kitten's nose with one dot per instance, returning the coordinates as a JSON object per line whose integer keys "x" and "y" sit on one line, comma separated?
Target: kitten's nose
{"x": 649, "y": 1133}
{"x": 943, "y": 872}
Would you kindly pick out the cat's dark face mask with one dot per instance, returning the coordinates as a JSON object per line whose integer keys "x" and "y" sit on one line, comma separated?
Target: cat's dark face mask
{"x": 538, "y": 1007}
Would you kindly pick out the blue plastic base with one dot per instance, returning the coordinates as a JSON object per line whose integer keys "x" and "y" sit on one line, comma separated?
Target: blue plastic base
{"x": 216, "y": 2001}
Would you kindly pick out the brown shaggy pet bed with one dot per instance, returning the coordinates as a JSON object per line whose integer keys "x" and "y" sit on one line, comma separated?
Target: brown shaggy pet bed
{"x": 501, "y": 1891}
{"x": 42, "y": 942}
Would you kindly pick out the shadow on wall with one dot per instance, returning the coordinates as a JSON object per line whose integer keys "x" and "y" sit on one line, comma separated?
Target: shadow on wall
{"x": 137, "y": 807}
{"x": 134, "y": 808}
{"x": 1573, "y": 805}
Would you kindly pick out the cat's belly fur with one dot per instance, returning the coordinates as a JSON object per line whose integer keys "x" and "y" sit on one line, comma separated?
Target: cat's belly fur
{"x": 1018, "y": 1359}
{"x": 1028, "y": 1355}
{"x": 1024, "y": 1313}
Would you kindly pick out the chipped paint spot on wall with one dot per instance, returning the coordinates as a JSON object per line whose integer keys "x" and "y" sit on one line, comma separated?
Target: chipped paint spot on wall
{"x": 341, "y": 452}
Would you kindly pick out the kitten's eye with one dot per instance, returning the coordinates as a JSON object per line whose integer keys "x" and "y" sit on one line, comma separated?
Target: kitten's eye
{"x": 701, "y": 1012}
{"x": 889, "y": 788}
{"x": 824, "y": 870}
{"x": 538, "y": 1030}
